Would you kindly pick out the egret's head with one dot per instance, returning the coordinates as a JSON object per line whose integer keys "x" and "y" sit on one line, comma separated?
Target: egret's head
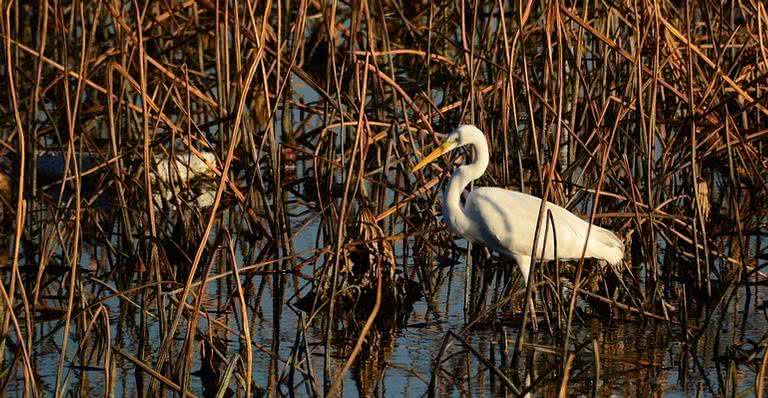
{"x": 463, "y": 135}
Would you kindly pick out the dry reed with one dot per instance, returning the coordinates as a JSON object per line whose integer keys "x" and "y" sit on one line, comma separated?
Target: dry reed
{"x": 650, "y": 118}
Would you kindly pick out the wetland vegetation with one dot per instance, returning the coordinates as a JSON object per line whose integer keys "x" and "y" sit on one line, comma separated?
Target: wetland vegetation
{"x": 214, "y": 197}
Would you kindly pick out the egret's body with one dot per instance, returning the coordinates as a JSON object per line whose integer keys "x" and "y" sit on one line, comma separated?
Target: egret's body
{"x": 505, "y": 221}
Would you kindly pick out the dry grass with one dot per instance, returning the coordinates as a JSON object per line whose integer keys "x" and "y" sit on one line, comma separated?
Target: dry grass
{"x": 649, "y": 118}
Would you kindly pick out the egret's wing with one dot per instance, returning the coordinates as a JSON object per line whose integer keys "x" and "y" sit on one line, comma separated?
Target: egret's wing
{"x": 506, "y": 222}
{"x": 491, "y": 223}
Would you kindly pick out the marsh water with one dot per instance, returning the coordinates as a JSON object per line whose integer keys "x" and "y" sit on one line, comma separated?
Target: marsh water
{"x": 129, "y": 273}
{"x": 638, "y": 357}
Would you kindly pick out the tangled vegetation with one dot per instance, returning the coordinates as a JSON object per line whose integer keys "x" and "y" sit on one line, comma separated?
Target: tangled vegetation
{"x": 186, "y": 182}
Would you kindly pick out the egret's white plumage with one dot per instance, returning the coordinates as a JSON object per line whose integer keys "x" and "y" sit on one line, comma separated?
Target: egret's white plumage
{"x": 505, "y": 221}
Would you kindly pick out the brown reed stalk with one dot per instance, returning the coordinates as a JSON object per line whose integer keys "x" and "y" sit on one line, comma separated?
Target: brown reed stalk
{"x": 636, "y": 115}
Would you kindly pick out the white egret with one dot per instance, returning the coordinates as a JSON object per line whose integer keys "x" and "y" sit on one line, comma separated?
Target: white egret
{"x": 505, "y": 221}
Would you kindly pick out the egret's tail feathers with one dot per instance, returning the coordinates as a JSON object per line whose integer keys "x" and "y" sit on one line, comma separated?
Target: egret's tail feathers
{"x": 610, "y": 247}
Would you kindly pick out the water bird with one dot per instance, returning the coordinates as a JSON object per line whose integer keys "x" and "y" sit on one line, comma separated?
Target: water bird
{"x": 505, "y": 221}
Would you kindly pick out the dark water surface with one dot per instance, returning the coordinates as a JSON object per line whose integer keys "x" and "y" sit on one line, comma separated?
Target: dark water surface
{"x": 636, "y": 358}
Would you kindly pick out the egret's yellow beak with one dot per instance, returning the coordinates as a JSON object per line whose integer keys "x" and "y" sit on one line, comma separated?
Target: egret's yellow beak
{"x": 446, "y": 146}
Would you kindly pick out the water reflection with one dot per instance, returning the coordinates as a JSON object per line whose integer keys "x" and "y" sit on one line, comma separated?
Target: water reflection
{"x": 613, "y": 353}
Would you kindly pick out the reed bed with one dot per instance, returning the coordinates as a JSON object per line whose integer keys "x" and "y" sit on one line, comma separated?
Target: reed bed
{"x": 181, "y": 177}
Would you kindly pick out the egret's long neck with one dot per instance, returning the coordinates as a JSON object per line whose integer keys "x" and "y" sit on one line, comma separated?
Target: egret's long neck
{"x": 452, "y": 210}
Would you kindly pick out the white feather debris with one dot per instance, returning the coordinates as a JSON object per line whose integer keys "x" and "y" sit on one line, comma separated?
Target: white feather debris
{"x": 182, "y": 170}
{"x": 206, "y": 199}
{"x": 186, "y": 166}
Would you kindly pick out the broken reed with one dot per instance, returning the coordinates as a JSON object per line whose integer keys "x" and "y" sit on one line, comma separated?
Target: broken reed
{"x": 658, "y": 107}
